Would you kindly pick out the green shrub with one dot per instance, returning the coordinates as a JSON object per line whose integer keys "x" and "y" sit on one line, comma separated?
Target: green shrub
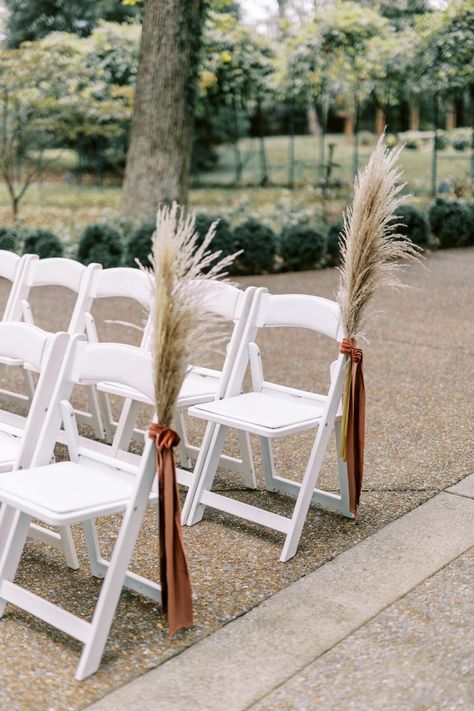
{"x": 441, "y": 142}
{"x": 224, "y": 240}
{"x": 333, "y": 254}
{"x": 470, "y": 231}
{"x": 9, "y": 239}
{"x": 460, "y": 144}
{"x": 449, "y": 220}
{"x": 412, "y": 144}
{"x": 259, "y": 247}
{"x": 100, "y": 243}
{"x": 301, "y": 246}
{"x": 413, "y": 224}
{"x": 139, "y": 245}
{"x": 43, "y": 243}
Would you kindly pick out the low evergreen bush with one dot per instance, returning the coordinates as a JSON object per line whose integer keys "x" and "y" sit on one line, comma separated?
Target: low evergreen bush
{"x": 100, "y": 243}
{"x": 259, "y": 247}
{"x": 301, "y": 246}
{"x": 43, "y": 243}
{"x": 139, "y": 245}
{"x": 460, "y": 144}
{"x": 224, "y": 240}
{"x": 450, "y": 222}
{"x": 9, "y": 239}
{"x": 413, "y": 224}
{"x": 333, "y": 254}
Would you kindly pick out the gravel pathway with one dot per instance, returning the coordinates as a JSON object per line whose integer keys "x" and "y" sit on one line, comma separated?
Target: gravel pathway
{"x": 419, "y": 441}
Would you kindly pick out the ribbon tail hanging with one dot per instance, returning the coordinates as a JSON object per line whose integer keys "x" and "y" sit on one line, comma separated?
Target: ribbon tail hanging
{"x": 174, "y": 575}
{"x": 353, "y": 424}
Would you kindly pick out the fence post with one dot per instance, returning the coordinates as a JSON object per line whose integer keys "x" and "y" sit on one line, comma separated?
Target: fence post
{"x": 434, "y": 159}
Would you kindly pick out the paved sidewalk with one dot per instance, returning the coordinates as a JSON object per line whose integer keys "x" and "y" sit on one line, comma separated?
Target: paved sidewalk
{"x": 385, "y": 625}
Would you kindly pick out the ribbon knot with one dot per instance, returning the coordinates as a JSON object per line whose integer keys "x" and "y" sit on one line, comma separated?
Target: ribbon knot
{"x": 348, "y": 347}
{"x": 165, "y": 437}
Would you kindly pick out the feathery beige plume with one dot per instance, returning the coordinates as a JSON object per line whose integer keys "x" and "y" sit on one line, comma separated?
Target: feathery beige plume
{"x": 370, "y": 244}
{"x": 180, "y": 319}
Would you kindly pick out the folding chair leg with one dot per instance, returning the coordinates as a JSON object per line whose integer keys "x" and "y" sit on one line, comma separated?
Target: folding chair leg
{"x": 62, "y": 540}
{"x": 247, "y": 459}
{"x": 268, "y": 464}
{"x": 106, "y": 415}
{"x": 93, "y": 548}
{"x": 112, "y": 586}
{"x": 307, "y": 488}
{"x": 342, "y": 470}
{"x": 6, "y": 520}
{"x": 126, "y": 424}
{"x": 205, "y": 472}
{"x": 96, "y": 417}
{"x": 183, "y": 447}
{"x": 15, "y": 542}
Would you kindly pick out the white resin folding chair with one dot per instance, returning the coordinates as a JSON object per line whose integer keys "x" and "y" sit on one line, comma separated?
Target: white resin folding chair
{"x": 23, "y": 343}
{"x": 79, "y": 491}
{"x": 75, "y": 277}
{"x": 271, "y": 411}
{"x": 11, "y": 269}
{"x": 129, "y": 283}
{"x": 203, "y": 384}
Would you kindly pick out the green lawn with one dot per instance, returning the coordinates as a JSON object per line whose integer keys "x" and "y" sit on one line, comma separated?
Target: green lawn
{"x": 62, "y": 205}
{"x": 415, "y": 163}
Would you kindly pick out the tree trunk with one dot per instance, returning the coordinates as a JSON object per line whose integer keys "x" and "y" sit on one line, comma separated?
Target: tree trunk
{"x": 158, "y": 158}
{"x": 379, "y": 121}
{"x": 312, "y": 118}
{"x": 414, "y": 121}
{"x": 349, "y": 126}
{"x": 450, "y": 115}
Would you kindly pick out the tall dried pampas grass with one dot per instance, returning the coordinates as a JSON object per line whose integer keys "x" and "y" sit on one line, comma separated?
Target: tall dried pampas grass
{"x": 180, "y": 321}
{"x": 371, "y": 247}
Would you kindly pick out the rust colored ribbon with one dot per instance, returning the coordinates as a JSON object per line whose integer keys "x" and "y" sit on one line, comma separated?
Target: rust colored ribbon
{"x": 353, "y": 421}
{"x": 174, "y": 576}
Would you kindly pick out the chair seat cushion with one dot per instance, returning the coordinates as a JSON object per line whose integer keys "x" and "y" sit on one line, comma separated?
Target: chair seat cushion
{"x": 261, "y": 413}
{"x": 66, "y": 490}
{"x": 198, "y": 387}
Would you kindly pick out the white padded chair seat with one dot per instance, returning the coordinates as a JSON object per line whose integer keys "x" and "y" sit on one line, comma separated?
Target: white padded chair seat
{"x": 66, "y": 492}
{"x": 260, "y": 413}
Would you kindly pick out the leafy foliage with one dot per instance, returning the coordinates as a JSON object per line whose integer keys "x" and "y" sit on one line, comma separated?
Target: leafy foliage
{"x": 333, "y": 252}
{"x": 301, "y": 246}
{"x": 223, "y": 241}
{"x": 9, "y": 239}
{"x": 259, "y": 247}
{"x": 139, "y": 245}
{"x": 100, "y": 243}
{"x": 451, "y": 222}
{"x": 43, "y": 243}
{"x": 413, "y": 224}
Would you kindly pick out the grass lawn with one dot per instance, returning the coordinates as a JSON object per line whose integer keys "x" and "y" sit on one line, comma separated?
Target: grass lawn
{"x": 62, "y": 205}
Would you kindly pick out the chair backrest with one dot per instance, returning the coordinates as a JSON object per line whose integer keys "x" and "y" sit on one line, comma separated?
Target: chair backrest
{"x": 285, "y": 310}
{"x": 24, "y": 343}
{"x": 222, "y": 299}
{"x": 89, "y": 364}
{"x": 11, "y": 268}
{"x": 58, "y": 271}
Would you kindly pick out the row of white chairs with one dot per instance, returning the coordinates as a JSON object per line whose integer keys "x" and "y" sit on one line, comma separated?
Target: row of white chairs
{"x": 104, "y": 478}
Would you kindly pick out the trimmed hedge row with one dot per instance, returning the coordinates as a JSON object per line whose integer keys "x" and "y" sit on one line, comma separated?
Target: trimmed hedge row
{"x": 299, "y": 246}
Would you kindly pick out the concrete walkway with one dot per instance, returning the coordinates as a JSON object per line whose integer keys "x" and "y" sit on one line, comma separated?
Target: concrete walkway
{"x": 386, "y": 625}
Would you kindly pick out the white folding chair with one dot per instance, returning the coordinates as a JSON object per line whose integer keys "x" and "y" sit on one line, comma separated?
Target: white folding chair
{"x": 120, "y": 282}
{"x": 271, "y": 411}
{"x": 11, "y": 269}
{"x": 79, "y": 491}
{"x": 202, "y": 384}
{"x": 23, "y": 343}
{"x": 70, "y": 275}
